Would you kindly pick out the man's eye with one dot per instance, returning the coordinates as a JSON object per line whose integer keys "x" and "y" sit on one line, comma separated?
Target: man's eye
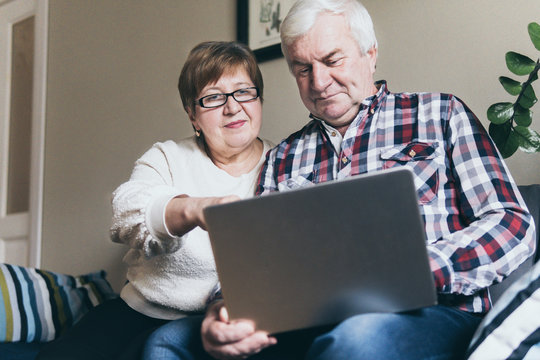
{"x": 303, "y": 70}
{"x": 332, "y": 62}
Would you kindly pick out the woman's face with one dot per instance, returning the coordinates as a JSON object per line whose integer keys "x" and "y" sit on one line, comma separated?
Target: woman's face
{"x": 231, "y": 128}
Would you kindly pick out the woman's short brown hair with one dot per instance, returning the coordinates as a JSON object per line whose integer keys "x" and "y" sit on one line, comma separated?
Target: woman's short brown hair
{"x": 208, "y": 61}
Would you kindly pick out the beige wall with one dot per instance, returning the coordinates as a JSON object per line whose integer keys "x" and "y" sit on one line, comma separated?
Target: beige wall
{"x": 113, "y": 67}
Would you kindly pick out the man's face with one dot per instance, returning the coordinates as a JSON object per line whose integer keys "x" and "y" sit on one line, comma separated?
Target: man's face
{"x": 332, "y": 75}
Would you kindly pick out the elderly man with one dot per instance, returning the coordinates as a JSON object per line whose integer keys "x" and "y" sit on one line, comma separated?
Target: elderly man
{"x": 477, "y": 227}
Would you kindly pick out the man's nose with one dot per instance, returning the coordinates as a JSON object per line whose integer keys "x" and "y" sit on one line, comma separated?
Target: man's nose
{"x": 320, "y": 77}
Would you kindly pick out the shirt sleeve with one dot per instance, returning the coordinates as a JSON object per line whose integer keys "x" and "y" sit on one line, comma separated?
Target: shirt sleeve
{"x": 267, "y": 180}
{"x": 139, "y": 205}
{"x": 496, "y": 232}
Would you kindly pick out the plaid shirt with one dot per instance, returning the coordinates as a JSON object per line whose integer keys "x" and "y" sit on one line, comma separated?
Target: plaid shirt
{"x": 478, "y": 228}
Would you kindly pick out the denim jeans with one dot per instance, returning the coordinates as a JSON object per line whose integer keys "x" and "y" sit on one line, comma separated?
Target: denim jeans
{"x": 436, "y": 333}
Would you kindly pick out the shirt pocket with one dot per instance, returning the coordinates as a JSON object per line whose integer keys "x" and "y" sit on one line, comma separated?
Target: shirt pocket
{"x": 424, "y": 159}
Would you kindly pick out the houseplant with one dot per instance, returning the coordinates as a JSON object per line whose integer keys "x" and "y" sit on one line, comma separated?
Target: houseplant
{"x": 510, "y": 121}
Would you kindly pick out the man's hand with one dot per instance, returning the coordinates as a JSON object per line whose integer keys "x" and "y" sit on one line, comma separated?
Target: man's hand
{"x": 225, "y": 340}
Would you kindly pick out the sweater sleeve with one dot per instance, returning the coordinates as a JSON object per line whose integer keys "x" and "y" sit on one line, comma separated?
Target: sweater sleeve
{"x": 139, "y": 205}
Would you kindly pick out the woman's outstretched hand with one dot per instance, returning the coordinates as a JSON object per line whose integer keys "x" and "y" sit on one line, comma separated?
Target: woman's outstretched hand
{"x": 183, "y": 213}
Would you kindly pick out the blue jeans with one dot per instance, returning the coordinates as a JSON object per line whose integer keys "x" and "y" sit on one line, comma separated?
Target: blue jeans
{"x": 437, "y": 333}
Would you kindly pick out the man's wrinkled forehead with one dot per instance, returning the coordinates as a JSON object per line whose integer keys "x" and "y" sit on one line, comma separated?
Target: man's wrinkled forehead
{"x": 329, "y": 38}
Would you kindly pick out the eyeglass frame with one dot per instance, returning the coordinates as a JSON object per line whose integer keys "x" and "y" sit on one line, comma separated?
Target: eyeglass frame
{"x": 200, "y": 100}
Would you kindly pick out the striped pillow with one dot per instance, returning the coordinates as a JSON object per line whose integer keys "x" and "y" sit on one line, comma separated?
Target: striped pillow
{"x": 511, "y": 330}
{"x": 38, "y": 305}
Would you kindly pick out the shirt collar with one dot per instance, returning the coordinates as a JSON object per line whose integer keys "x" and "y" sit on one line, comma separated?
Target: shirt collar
{"x": 370, "y": 102}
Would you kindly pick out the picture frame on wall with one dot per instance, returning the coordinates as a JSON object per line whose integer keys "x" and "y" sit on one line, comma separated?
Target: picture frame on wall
{"x": 258, "y": 26}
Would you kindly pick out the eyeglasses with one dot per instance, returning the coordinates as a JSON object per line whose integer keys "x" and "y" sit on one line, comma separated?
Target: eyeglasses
{"x": 240, "y": 95}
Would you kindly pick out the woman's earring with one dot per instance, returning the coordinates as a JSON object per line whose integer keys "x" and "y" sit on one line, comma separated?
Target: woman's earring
{"x": 197, "y": 133}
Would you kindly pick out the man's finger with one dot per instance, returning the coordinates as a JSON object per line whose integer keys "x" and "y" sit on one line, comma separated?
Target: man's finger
{"x": 224, "y": 314}
{"x": 243, "y": 348}
{"x": 224, "y": 333}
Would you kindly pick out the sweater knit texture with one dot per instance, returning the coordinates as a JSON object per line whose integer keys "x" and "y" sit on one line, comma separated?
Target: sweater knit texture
{"x": 170, "y": 276}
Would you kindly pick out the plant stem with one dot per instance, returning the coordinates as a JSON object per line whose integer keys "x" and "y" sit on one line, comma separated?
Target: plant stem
{"x": 528, "y": 82}
{"x": 530, "y": 79}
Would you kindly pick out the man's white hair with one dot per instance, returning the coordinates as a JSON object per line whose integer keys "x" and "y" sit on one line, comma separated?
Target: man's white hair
{"x": 303, "y": 14}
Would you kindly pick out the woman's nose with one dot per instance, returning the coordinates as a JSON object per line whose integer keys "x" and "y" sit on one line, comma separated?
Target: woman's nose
{"x": 231, "y": 106}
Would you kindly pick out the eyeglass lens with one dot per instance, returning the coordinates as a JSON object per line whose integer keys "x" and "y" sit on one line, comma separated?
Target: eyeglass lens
{"x": 240, "y": 95}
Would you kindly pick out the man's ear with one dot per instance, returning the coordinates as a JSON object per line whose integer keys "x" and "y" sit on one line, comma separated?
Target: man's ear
{"x": 372, "y": 55}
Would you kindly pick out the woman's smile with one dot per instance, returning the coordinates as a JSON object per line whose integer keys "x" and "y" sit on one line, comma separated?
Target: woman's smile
{"x": 235, "y": 124}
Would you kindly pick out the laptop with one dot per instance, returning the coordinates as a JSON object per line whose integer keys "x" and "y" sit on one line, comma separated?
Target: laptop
{"x": 318, "y": 255}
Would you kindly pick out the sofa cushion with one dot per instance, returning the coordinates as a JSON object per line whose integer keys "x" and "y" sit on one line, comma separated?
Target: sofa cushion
{"x": 20, "y": 350}
{"x": 511, "y": 330}
{"x": 38, "y": 305}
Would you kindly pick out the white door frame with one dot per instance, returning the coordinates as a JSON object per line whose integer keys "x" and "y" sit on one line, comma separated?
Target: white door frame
{"x": 12, "y": 12}
{"x": 38, "y": 132}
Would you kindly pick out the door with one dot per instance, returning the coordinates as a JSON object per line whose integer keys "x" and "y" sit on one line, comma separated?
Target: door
{"x": 23, "y": 39}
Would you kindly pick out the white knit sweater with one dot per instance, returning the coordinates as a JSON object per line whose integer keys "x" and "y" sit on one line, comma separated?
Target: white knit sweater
{"x": 170, "y": 276}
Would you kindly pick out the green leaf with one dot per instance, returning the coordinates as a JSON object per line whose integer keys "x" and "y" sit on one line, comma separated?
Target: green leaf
{"x": 505, "y": 139}
{"x": 528, "y": 139}
{"x": 519, "y": 64}
{"x": 522, "y": 116}
{"x": 500, "y": 113}
{"x": 528, "y": 98}
{"x": 534, "y": 33}
{"x": 499, "y": 133}
{"x": 511, "y": 86}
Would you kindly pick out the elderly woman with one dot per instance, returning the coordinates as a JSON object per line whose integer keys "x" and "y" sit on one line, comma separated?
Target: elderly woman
{"x": 158, "y": 213}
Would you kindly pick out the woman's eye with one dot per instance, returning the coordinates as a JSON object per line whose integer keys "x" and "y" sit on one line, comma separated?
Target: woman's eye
{"x": 213, "y": 97}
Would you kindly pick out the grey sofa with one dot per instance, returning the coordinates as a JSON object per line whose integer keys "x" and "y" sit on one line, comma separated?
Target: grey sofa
{"x": 531, "y": 194}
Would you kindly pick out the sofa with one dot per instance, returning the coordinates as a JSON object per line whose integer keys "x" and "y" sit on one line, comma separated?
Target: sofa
{"x": 36, "y": 306}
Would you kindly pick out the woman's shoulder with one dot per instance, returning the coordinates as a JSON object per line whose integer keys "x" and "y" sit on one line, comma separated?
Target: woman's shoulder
{"x": 184, "y": 145}
{"x": 171, "y": 149}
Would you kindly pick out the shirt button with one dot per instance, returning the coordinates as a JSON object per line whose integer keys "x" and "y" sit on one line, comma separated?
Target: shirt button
{"x": 334, "y": 134}
{"x": 412, "y": 153}
{"x": 372, "y": 111}
{"x": 344, "y": 160}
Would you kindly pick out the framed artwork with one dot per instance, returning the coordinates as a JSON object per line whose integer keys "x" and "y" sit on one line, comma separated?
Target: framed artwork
{"x": 259, "y": 23}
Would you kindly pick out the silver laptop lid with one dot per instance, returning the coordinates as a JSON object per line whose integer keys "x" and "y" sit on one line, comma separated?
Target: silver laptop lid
{"x": 317, "y": 255}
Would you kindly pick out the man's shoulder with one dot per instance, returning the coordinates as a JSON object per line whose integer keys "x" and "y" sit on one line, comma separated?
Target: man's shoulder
{"x": 424, "y": 101}
{"x": 423, "y": 96}
{"x": 413, "y": 95}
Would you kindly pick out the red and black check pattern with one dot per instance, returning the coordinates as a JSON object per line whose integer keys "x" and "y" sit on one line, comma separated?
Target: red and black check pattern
{"x": 477, "y": 226}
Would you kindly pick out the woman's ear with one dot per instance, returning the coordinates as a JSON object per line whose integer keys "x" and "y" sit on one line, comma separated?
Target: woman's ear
{"x": 191, "y": 115}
